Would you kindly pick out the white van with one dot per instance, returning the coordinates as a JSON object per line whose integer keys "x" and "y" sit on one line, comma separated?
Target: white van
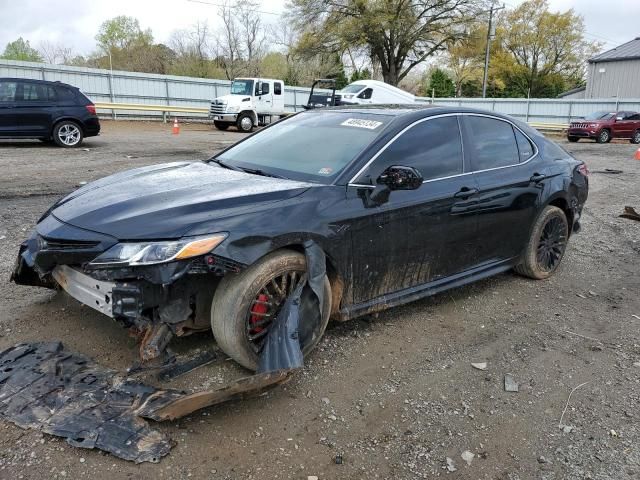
{"x": 252, "y": 102}
{"x": 374, "y": 92}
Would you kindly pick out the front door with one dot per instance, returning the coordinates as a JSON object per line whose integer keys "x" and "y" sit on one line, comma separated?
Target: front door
{"x": 510, "y": 181}
{"x": 623, "y": 126}
{"x": 416, "y": 236}
{"x": 8, "y": 120}
{"x": 264, "y": 94}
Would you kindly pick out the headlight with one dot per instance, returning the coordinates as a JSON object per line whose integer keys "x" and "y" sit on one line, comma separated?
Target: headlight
{"x": 593, "y": 125}
{"x": 233, "y": 109}
{"x": 132, "y": 254}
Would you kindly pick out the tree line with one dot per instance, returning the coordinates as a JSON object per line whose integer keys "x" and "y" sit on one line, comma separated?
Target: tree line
{"x": 429, "y": 47}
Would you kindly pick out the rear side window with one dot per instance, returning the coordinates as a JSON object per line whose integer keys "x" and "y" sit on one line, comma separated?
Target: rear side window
{"x": 493, "y": 143}
{"x": 635, "y": 117}
{"x": 525, "y": 148}
{"x": 35, "y": 92}
{"x": 8, "y": 91}
{"x": 277, "y": 88}
{"x": 433, "y": 147}
{"x": 65, "y": 94}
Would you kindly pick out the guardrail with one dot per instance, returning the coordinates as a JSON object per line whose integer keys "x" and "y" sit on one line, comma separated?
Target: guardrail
{"x": 165, "y": 109}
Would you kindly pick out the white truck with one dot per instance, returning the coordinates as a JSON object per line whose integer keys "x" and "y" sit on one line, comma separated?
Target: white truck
{"x": 252, "y": 102}
{"x": 373, "y": 92}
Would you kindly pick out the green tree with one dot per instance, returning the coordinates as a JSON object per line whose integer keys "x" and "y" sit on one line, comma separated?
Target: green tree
{"x": 21, "y": 50}
{"x": 121, "y": 33}
{"x": 400, "y": 34}
{"x": 364, "y": 74}
{"x": 538, "y": 52}
{"x": 440, "y": 84}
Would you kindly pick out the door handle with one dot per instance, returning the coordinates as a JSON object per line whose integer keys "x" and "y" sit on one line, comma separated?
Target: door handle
{"x": 537, "y": 177}
{"x": 465, "y": 192}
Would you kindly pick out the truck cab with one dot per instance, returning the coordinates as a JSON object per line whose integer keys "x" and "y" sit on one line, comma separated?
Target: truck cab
{"x": 250, "y": 103}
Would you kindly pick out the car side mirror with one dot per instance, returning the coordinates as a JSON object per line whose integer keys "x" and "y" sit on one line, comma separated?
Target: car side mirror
{"x": 399, "y": 177}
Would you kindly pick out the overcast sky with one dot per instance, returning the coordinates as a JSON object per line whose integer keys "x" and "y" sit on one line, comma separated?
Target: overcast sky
{"x": 75, "y": 24}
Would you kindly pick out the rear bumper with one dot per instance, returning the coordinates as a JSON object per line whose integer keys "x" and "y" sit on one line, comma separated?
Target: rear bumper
{"x": 91, "y": 127}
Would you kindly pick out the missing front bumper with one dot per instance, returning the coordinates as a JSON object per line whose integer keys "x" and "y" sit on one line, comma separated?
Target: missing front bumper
{"x": 96, "y": 294}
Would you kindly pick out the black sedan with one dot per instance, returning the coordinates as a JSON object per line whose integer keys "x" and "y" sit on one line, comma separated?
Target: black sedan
{"x": 404, "y": 202}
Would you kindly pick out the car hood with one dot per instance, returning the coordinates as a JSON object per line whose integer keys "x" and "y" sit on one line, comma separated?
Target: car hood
{"x": 233, "y": 99}
{"x": 167, "y": 201}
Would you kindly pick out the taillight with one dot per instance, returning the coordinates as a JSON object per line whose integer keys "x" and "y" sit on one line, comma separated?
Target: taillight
{"x": 91, "y": 109}
{"x": 583, "y": 169}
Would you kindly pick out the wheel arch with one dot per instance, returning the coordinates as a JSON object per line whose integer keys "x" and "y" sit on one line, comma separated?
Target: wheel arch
{"x": 69, "y": 118}
{"x": 254, "y": 116}
{"x": 559, "y": 200}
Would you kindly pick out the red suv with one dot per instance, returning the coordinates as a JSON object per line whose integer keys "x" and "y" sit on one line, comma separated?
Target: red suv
{"x": 603, "y": 126}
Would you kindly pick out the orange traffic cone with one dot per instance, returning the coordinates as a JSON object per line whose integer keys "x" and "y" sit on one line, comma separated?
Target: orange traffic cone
{"x": 176, "y": 127}
{"x": 637, "y": 155}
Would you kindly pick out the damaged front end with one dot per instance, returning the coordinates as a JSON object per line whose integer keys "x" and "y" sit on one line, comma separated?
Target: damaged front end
{"x": 157, "y": 289}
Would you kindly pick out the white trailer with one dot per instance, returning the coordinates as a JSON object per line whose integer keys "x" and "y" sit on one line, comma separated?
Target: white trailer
{"x": 374, "y": 92}
{"x": 252, "y": 102}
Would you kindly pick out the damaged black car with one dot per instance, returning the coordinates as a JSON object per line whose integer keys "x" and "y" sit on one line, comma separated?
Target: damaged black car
{"x": 402, "y": 201}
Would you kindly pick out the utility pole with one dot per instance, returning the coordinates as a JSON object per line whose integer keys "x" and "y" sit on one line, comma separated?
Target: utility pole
{"x": 491, "y": 32}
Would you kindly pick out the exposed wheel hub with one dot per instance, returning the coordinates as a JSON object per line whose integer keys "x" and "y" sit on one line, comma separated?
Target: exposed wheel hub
{"x": 267, "y": 305}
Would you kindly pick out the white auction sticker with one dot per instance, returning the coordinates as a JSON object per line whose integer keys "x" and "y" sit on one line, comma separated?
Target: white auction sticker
{"x": 360, "y": 123}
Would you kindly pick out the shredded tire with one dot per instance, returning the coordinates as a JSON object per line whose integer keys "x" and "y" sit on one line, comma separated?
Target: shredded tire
{"x": 235, "y": 294}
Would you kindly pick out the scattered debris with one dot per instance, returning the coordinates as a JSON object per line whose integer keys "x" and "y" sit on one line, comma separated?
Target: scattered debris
{"x": 467, "y": 456}
{"x": 47, "y": 388}
{"x": 451, "y": 467}
{"x": 613, "y": 433}
{"x": 630, "y": 214}
{"x": 636, "y": 364}
{"x": 312, "y": 477}
{"x": 542, "y": 459}
{"x": 560, "y": 425}
{"x": 637, "y": 317}
{"x": 510, "y": 384}
{"x": 610, "y": 171}
{"x": 325, "y": 400}
{"x": 86, "y": 149}
{"x": 566, "y": 428}
{"x": 480, "y": 366}
{"x": 580, "y": 295}
{"x": 338, "y": 459}
{"x": 583, "y": 336}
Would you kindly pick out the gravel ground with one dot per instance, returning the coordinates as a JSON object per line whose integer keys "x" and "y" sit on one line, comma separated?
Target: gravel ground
{"x": 394, "y": 395}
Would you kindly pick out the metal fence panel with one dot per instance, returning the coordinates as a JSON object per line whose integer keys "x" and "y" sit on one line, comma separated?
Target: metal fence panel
{"x": 152, "y": 89}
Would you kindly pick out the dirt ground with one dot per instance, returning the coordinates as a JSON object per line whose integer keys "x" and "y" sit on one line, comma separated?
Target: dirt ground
{"x": 395, "y": 395}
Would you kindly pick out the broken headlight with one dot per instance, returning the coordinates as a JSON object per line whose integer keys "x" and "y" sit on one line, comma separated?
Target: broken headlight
{"x": 149, "y": 253}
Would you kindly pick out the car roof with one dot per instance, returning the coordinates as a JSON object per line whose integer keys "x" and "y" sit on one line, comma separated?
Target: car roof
{"x": 34, "y": 80}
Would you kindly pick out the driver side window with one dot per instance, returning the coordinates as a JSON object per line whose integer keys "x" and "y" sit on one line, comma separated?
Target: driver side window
{"x": 366, "y": 94}
{"x": 433, "y": 147}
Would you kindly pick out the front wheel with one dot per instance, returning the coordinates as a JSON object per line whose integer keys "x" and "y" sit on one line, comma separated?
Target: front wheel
{"x": 221, "y": 125}
{"x": 604, "y": 136}
{"x": 546, "y": 246}
{"x": 67, "y": 134}
{"x": 573, "y": 139}
{"x": 636, "y": 137}
{"x": 246, "y": 304}
{"x": 244, "y": 122}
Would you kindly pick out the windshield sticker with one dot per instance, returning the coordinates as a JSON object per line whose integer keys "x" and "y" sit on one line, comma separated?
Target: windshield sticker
{"x": 325, "y": 171}
{"x": 360, "y": 123}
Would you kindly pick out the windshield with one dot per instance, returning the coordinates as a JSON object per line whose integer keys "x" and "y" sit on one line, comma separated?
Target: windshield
{"x": 242, "y": 87}
{"x": 602, "y": 115}
{"x": 314, "y": 146}
{"x": 353, "y": 88}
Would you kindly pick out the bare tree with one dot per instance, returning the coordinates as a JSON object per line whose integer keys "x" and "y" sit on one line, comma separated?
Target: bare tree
{"x": 55, "y": 53}
{"x": 229, "y": 45}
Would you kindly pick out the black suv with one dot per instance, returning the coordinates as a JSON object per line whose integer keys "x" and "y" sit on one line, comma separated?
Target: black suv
{"x": 48, "y": 111}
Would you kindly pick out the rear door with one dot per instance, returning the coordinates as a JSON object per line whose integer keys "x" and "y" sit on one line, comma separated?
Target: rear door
{"x": 8, "y": 119}
{"x": 623, "y": 126}
{"x": 510, "y": 183}
{"x": 35, "y": 107}
{"x": 417, "y": 236}
{"x": 278, "y": 97}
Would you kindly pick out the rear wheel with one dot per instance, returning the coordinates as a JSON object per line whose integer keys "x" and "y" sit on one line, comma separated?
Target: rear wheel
{"x": 546, "y": 246}
{"x": 636, "y": 137}
{"x": 573, "y": 139}
{"x": 246, "y": 304}
{"x": 67, "y": 134}
{"x": 244, "y": 122}
{"x": 221, "y": 125}
{"x": 604, "y": 136}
